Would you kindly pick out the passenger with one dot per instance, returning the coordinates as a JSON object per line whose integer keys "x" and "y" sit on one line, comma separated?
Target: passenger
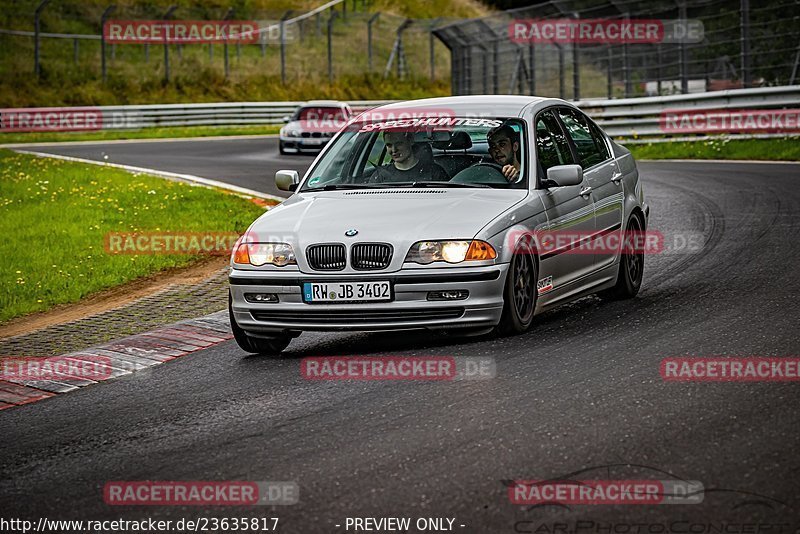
{"x": 504, "y": 150}
{"x": 405, "y": 165}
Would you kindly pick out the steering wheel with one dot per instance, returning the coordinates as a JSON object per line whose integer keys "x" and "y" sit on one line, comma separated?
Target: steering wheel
{"x": 478, "y": 174}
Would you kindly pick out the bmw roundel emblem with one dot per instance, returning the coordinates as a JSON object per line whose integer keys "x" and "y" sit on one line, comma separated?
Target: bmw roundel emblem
{"x": 351, "y": 232}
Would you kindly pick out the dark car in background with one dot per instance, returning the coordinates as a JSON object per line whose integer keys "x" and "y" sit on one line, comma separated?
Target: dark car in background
{"x": 312, "y": 125}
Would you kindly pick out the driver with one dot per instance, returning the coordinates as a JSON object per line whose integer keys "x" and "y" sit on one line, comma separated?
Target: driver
{"x": 405, "y": 165}
{"x": 503, "y": 148}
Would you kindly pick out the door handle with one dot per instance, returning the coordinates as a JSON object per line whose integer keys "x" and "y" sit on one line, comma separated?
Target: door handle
{"x": 616, "y": 177}
{"x": 585, "y": 191}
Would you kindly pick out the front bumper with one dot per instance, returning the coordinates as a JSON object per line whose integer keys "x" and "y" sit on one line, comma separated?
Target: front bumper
{"x": 410, "y": 308}
{"x": 304, "y": 143}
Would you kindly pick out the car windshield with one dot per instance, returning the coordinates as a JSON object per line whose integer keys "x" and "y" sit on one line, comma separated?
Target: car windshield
{"x": 424, "y": 152}
{"x": 319, "y": 113}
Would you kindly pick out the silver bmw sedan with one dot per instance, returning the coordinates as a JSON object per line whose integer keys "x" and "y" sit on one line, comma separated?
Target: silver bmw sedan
{"x": 474, "y": 213}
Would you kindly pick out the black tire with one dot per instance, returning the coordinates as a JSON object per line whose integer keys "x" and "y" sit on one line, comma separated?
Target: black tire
{"x": 281, "y": 149}
{"x": 631, "y": 264}
{"x": 256, "y": 345}
{"x": 519, "y": 294}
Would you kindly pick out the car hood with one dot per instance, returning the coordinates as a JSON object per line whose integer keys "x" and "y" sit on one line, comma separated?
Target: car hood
{"x": 400, "y": 217}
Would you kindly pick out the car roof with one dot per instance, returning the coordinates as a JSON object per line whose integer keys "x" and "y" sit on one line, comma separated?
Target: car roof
{"x": 331, "y": 103}
{"x": 498, "y": 105}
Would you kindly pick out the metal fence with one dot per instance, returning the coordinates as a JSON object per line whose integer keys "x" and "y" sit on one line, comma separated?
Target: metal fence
{"x": 742, "y": 45}
{"x": 293, "y": 45}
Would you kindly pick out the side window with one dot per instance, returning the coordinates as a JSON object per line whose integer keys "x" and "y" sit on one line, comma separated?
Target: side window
{"x": 552, "y": 147}
{"x": 588, "y": 140}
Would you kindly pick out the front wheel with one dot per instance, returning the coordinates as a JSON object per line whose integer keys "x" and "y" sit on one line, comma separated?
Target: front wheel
{"x": 631, "y": 264}
{"x": 272, "y": 346}
{"x": 281, "y": 149}
{"x": 519, "y": 294}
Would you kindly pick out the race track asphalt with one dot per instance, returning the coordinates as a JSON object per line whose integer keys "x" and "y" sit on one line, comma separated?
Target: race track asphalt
{"x": 580, "y": 391}
{"x": 249, "y": 163}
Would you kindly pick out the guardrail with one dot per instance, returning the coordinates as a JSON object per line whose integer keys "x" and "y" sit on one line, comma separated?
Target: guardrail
{"x": 641, "y": 117}
{"x": 622, "y": 118}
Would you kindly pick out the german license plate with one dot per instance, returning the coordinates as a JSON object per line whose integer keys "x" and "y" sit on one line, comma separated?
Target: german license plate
{"x": 347, "y": 291}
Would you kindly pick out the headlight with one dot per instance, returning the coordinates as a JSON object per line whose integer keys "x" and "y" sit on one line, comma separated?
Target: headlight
{"x": 294, "y": 133}
{"x": 425, "y": 252}
{"x": 279, "y": 254}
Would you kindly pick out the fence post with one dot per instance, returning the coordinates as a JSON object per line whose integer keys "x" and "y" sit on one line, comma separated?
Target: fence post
{"x": 659, "y": 59}
{"x": 430, "y": 45}
{"x": 146, "y": 53}
{"x": 532, "y": 67}
{"x": 745, "y": 12}
{"x": 794, "y": 68}
{"x": 36, "y": 64}
{"x": 110, "y": 9}
{"x": 576, "y": 73}
{"x": 684, "y": 63}
{"x": 75, "y": 51}
{"x": 626, "y": 63}
{"x": 330, "y": 45}
{"x": 283, "y": 45}
{"x": 495, "y": 67}
{"x": 372, "y": 19}
{"x": 228, "y": 15}
{"x": 166, "y": 16}
{"x": 610, "y": 74}
{"x": 560, "y": 69}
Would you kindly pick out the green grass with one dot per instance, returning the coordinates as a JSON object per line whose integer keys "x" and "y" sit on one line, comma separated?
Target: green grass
{"x": 775, "y": 149}
{"x": 146, "y": 133}
{"x": 56, "y": 216}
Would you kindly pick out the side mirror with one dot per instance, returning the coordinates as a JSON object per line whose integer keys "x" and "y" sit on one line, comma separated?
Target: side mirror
{"x": 287, "y": 180}
{"x": 286, "y": 118}
{"x": 564, "y": 175}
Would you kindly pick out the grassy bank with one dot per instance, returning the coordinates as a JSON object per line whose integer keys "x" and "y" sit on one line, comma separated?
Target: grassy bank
{"x": 145, "y": 133}
{"x": 57, "y": 214}
{"x": 776, "y": 149}
{"x": 72, "y": 76}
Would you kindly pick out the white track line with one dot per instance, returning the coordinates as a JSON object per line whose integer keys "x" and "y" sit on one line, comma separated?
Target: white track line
{"x": 759, "y": 161}
{"x": 188, "y": 178}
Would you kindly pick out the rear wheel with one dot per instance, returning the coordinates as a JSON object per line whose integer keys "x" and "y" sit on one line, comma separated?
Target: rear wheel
{"x": 631, "y": 263}
{"x": 519, "y": 294}
{"x": 271, "y": 346}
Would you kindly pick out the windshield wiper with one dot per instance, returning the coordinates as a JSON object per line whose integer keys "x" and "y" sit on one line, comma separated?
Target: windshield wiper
{"x": 335, "y": 187}
{"x": 429, "y": 184}
{"x": 445, "y": 184}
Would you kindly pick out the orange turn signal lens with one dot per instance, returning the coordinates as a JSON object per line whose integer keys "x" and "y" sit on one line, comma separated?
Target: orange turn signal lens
{"x": 480, "y": 250}
{"x": 241, "y": 254}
